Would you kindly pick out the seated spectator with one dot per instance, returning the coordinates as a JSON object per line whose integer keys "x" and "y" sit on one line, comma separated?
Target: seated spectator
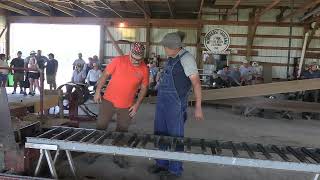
{"x": 94, "y": 75}
{"x": 3, "y": 72}
{"x": 34, "y": 76}
{"x": 222, "y": 79}
{"x": 247, "y": 73}
{"x": 235, "y": 76}
{"x": 78, "y": 75}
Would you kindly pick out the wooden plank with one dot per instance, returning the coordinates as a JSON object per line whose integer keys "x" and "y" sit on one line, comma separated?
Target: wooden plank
{"x": 29, "y": 6}
{"x": 85, "y": 8}
{"x": 3, "y": 30}
{"x": 102, "y": 44}
{"x": 108, "y": 5}
{"x": 148, "y": 32}
{"x": 13, "y": 9}
{"x": 313, "y": 31}
{"x": 199, "y": 51}
{"x": 261, "y": 89}
{"x": 60, "y": 8}
{"x": 119, "y": 50}
{"x": 273, "y": 104}
{"x": 141, "y": 8}
{"x": 252, "y": 28}
{"x": 300, "y": 10}
{"x": 170, "y": 7}
{"x": 234, "y": 7}
{"x": 200, "y": 9}
{"x": 140, "y": 22}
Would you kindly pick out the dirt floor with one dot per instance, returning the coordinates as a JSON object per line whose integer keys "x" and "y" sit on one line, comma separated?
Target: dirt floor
{"x": 219, "y": 123}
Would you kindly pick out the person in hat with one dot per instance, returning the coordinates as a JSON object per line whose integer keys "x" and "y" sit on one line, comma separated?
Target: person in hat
{"x": 129, "y": 73}
{"x": 180, "y": 74}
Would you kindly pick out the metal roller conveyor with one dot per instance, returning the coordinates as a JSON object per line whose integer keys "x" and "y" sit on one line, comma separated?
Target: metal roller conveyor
{"x": 195, "y": 150}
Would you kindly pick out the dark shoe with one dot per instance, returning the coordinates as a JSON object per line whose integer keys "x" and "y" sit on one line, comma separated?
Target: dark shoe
{"x": 120, "y": 161}
{"x": 21, "y": 92}
{"x": 14, "y": 92}
{"x": 154, "y": 169}
{"x": 30, "y": 93}
{"x": 25, "y": 94}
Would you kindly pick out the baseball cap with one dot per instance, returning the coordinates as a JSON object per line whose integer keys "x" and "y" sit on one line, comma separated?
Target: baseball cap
{"x": 137, "y": 50}
{"x": 173, "y": 40}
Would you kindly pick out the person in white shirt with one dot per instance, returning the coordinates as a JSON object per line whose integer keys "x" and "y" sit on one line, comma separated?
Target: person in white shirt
{"x": 78, "y": 75}
{"x": 93, "y": 75}
{"x": 3, "y": 72}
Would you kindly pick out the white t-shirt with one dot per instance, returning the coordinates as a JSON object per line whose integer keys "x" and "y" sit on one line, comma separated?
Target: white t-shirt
{"x": 94, "y": 75}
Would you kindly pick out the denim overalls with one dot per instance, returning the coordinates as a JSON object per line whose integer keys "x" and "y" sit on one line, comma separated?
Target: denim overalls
{"x": 171, "y": 107}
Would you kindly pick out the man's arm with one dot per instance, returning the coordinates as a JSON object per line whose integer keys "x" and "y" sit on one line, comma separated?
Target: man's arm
{"x": 196, "y": 84}
{"x": 101, "y": 82}
{"x": 143, "y": 92}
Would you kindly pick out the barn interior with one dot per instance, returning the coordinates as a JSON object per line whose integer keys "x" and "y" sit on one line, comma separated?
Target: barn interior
{"x": 262, "y": 126}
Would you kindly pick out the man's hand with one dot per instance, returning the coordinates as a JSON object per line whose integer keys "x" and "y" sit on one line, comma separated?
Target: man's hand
{"x": 133, "y": 110}
{"x": 97, "y": 97}
{"x": 198, "y": 114}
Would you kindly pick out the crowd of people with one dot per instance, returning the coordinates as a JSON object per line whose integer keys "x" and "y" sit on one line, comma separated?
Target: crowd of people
{"x": 245, "y": 74}
{"x": 36, "y": 63}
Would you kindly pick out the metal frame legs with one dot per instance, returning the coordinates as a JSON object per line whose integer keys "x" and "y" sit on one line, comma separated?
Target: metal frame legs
{"x": 45, "y": 154}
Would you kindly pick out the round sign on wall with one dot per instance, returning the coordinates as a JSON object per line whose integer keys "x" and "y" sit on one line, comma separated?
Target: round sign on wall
{"x": 217, "y": 40}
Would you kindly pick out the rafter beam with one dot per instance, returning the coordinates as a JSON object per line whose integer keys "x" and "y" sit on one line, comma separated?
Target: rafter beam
{"x": 170, "y": 8}
{"x": 234, "y": 7}
{"x": 141, "y": 8}
{"x": 302, "y": 9}
{"x": 269, "y": 7}
{"x": 85, "y": 8}
{"x": 60, "y": 8}
{"x": 29, "y": 6}
{"x": 108, "y": 5}
{"x": 200, "y": 9}
{"x": 4, "y": 6}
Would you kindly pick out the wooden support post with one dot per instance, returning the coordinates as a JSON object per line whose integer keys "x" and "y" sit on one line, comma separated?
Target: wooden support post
{"x": 251, "y": 33}
{"x": 313, "y": 31}
{"x": 148, "y": 40}
{"x": 118, "y": 49}
{"x": 102, "y": 43}
{"x": 199, "y": 49}
{"x": 8, "y": 39}
{"x": 303, "y": 54}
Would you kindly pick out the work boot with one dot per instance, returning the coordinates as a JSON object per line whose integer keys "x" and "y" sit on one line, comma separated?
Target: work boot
{"x": 21, "y": 92}
{"x": 25, "y": 94}
{"x": 154, "y": 169}
{"x": 120, "y": 161}
{"x": 14, "y": 92}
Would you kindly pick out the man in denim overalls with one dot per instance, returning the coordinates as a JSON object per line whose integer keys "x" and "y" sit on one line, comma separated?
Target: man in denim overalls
{"x": 180, "y": 73}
